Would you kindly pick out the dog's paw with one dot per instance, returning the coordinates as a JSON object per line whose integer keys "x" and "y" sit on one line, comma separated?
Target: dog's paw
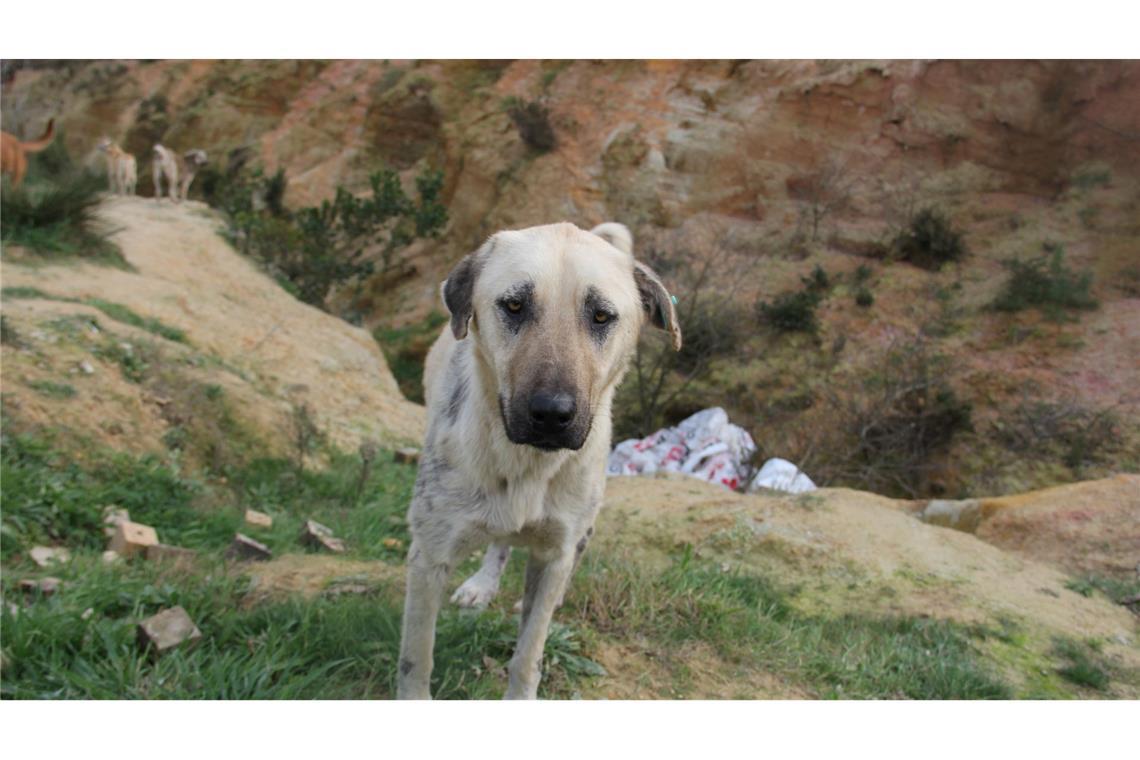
{"x": 476, "y": 592}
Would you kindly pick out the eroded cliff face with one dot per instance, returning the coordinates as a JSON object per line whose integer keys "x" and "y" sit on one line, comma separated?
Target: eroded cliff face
{"x": 788, "y": 163}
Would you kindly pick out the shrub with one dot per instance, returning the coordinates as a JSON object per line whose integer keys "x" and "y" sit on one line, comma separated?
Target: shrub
{"x": 864, "y": 298}
{"x": 892, "y": 427}
{"x": 532, "y": 120}
{"x": 929, "y": 241}
{"x": 817, "y": 281}
{"x": 793, "y": 311}
{"x": 1046, "y": 283}
{"x": 1068, "y": 430}
{"x": 319, "y": 247}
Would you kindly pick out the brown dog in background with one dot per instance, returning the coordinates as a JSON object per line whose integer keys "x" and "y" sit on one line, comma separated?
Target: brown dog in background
{"x": 13, "y": 153}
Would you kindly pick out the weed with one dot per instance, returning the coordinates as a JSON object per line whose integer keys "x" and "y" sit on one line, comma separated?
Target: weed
{"x": 1067, "y": 429}
{"x": 1085, "y": 667}
{"x": 793, "y": 311}
{"x": 532, "y": 120}
{"x": 1045, "y": 283}
{"x": 864, "y": 298}
{"x": 52, "y": 389}
{"x": 929, "y": 241}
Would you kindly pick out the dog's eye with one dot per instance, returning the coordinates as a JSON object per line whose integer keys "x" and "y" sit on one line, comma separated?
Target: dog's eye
{"x": 601, "y": 317}
{"x": 514, "y": 305}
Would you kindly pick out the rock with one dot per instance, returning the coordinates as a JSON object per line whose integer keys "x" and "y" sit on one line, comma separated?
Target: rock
{"x": 43, "y": 586}
{"x": 964, "y": 515}
{"x": 111, "y": 557}
{"x": 132, "y": 538}
{"x": 168, "y": 553}
{"x": 318, "y": 536}
{"x": 49, "y": 555}
{"x": 87, "y": 613}
{"x": 244, "y": 547}
{"x": 113, "y": 516}
{"x": 86, "y": 368}
{"x": 407, "y": 456}
{"x": 258, "y": 519}
{"x": 167, "y": 630}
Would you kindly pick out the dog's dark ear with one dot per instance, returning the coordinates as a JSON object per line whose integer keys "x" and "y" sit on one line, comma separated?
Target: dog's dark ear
{"x": 657, "y": 302}
{"x": 459, "y": 289}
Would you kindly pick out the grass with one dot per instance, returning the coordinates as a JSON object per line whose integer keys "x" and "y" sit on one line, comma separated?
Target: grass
{"x": 115, "y": 311}
{"x": 1115, "y": 589}
{"x": 1085, "y": 666}
{"x": 751, "y": 621}
{"x": 53, "y": 389}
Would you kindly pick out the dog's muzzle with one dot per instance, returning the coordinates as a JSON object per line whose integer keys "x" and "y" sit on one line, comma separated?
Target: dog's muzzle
{"x": 546, "y": 419}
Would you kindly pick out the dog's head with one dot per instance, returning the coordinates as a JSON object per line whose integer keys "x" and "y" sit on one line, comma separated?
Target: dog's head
{"x": 195, "y": 158}
{"x": 555, "y": 314}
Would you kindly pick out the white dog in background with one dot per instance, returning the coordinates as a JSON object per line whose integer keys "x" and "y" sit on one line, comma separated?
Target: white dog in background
{"x": 178, "y": 170}
{"x": 122, "y": 169}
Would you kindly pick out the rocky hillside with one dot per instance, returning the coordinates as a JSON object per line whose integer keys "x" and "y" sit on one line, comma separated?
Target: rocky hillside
{"x": 769, "y": 170}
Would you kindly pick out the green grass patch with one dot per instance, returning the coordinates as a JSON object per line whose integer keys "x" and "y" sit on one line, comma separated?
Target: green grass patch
{"x": 329, "y": 648}
{"x": 53, "y": 389}
{"x": 1115, "y": 589}
{"x": 115, "y": 311}
{"x": 752, "y": 621}
{"x": 1084, "y": 667}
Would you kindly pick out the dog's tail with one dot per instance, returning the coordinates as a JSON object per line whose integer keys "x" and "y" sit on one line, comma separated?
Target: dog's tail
{"x": 45, "y": 139}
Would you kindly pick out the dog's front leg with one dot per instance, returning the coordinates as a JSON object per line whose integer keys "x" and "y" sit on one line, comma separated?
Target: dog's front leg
{"x": 545, "y": 578}
{"x": 426, "y": 579}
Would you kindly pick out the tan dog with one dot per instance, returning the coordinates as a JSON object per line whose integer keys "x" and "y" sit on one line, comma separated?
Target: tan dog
{"x": 13, "y": 153}
{"x": 122, "y": 169}
{"x": 178, "y": 170}
{"x": 519, "y": 388}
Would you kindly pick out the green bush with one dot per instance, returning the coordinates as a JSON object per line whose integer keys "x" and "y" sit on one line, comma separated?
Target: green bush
{"x": 929, "y": 241}
{"x": 315, "y": 248}
{"x": 1045, "y": 283}
{"x": 864, "y": 298}
{"x": 793, "y": 311}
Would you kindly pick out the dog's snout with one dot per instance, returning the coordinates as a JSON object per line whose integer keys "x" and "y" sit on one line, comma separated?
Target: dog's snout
{"x": 552, "y": 412}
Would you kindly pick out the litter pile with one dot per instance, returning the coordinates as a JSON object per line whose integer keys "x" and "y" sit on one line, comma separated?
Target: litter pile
{"x": 709, "y": 447}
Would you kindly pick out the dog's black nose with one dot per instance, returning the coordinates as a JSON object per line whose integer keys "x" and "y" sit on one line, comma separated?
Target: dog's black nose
{"x": 552, "y": 412}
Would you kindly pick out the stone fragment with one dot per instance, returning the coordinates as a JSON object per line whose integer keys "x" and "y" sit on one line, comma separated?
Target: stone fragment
{"x": 318, "y": 536}
{"x": 244, "y": 547}
{"x": 167, "y": 630}
{"x": 113, "y": 516}
{"x": 407, "y": 456}
{"x": 258, "y": 519}
{"x": 49, "y": 555}
{"x": 132, "y": 538}
{"x": 44, "y": 586}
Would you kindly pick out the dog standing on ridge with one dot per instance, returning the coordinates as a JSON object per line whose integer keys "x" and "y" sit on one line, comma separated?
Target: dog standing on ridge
{"x": 122, "y": 169}
{"x": 178, "y": 170}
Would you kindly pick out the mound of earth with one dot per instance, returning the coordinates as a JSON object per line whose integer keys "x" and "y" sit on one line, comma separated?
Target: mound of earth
{"x": 270, "y": 353}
